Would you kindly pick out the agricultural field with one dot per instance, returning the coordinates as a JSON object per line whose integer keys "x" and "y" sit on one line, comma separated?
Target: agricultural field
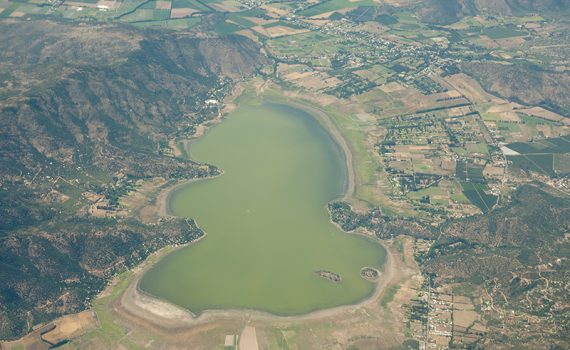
{"x": 171, "y": 14}
{"x": 332, "y": 5}
{"x": 479, "y": 195}
{"x": 508, "y": 123}
{"x": 443, "y": 142}
{"x": 502, "y": 32}
{"x": 311, "y": 48}
{"x": 548, "y": 156}
{"x": 553, "y": 145}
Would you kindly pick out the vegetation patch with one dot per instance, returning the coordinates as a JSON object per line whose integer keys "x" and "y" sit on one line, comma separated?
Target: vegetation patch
{"x": 194, "y": 4}
{"x": 328, "y": 275}
{"x": 553, "y": 145}
{"x": 538, "y": 163}
{"x": 389, "y": 295}
{"x": 548, "y": 156}
{"x": 333, "y": 5}
{"x": 369, "y": 273}
{"x": 224, "y": 28}
{"x": 386, "y": 19}
{"x": 502, "y": 32}
{"x": 479, "y": 195}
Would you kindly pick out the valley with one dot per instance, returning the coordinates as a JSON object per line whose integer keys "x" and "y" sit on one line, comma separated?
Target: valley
{"x": 234, "y": 173}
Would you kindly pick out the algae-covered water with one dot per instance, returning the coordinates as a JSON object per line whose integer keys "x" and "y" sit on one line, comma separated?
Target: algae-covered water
{"x": 267, "y": 226}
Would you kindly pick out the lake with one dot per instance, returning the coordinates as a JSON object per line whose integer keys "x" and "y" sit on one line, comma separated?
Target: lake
{"x": 268, "y": 229}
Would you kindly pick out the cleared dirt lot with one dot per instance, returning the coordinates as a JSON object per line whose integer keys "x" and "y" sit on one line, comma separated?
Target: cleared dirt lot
{"x": 71, "y": 326}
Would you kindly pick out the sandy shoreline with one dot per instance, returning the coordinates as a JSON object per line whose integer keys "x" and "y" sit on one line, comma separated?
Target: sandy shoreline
{"x": 161, "y": 314}
{"x": 163, "y": 198}
{"x": 325, "y": 121}
{"x": 320, "y": 115}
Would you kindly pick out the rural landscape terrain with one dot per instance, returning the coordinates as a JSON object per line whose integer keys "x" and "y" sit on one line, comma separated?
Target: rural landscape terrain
{"x": 267, "y": 174}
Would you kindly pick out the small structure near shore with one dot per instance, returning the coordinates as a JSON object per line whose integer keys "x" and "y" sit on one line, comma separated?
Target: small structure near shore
{"x": 369, "y": 273}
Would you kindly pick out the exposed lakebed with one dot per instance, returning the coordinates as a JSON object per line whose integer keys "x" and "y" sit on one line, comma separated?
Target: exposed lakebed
{"x": 268, "y": 230}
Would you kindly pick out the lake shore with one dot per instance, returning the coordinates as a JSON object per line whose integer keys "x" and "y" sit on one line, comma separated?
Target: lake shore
{"x": 164, "y": 196}
{"x": 161, "y": 315}
{"x": 141, "y": 305}
{"x": 321, "y": 116}
{"x": 318, "y": 114}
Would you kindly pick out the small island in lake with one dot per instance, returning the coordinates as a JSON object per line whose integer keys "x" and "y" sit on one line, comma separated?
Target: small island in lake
{"x": 331, "y": 276}
{"x": 369, "y": 273}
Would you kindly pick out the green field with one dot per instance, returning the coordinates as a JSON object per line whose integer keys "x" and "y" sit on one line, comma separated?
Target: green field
{"x": 332, "y": 5}
{"x": 552, "y": 145}
{"x": 267, "y": 227}
{"x": 562, "y": 163}
{"x": 8, "y": 11}
{"x": 386, "y": 19}
{"x": 469, "y": 172}
{"x": 194, "y": 4}
{"x": 318, "y": 42}
{"x": 502, "y": 32}
{"x": 540, "y": 163}
{"x": 546, "y": 156}
{"x": 224, "y": 28}
{"x": 475, "y": 192}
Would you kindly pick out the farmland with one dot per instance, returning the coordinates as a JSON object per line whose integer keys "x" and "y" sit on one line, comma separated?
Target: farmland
{"x": 502, "y": 32}
{"x": 547, "y": 156}
{"x": 332, "y": 5}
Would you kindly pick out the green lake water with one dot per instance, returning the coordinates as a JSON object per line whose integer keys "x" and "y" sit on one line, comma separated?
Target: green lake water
{"x": 267, "y": 226}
